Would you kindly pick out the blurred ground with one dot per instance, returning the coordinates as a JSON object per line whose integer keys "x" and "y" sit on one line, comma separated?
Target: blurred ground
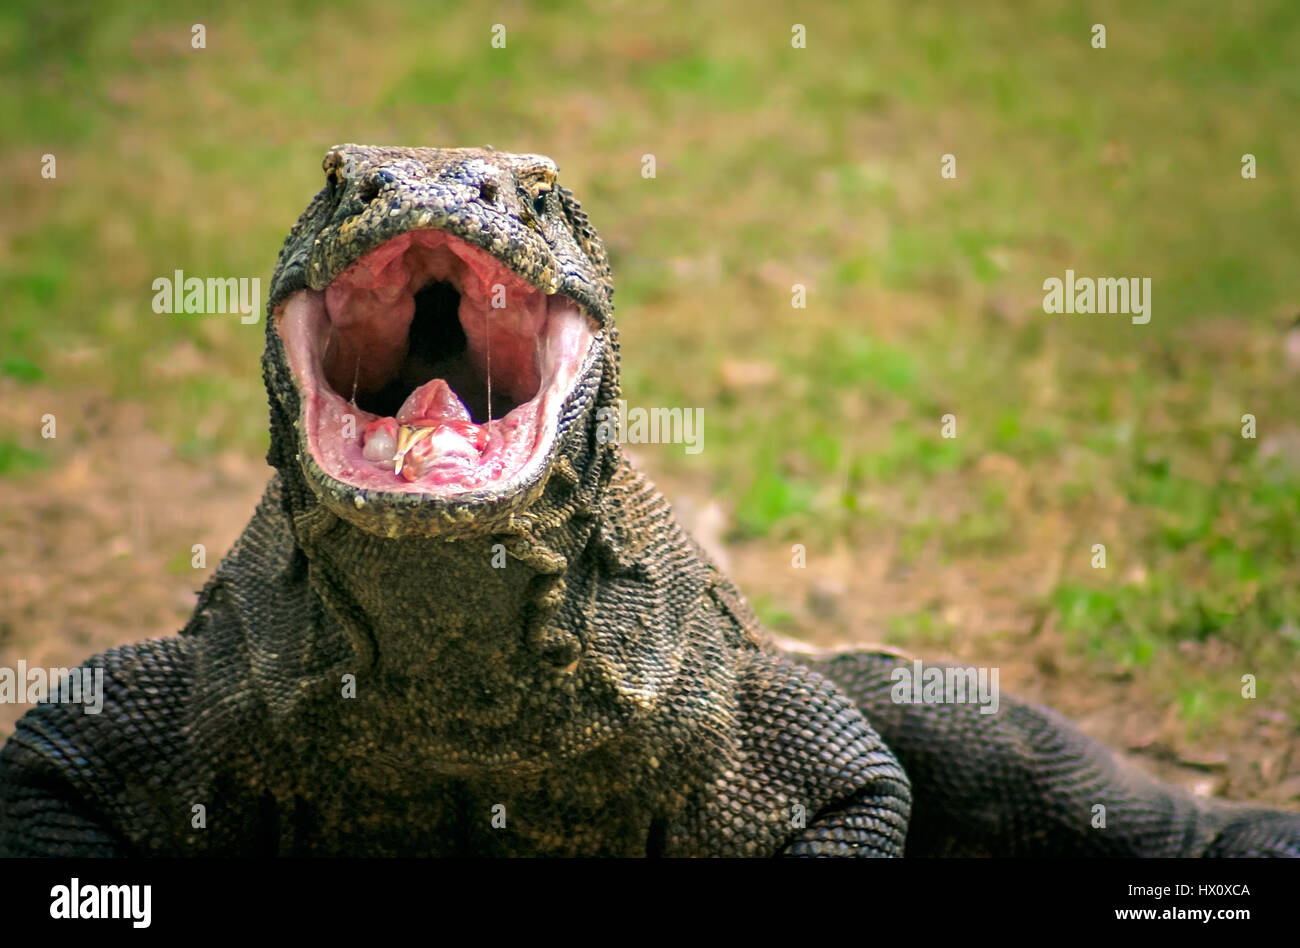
{"x": 774, "y": 166}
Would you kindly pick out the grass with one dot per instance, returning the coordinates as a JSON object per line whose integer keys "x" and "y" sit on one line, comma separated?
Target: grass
{"x": 775, "y": 166}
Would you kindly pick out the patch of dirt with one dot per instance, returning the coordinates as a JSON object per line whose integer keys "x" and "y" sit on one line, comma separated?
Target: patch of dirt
{"x": 96, "y": 548}
{"x": 846, "y": 596}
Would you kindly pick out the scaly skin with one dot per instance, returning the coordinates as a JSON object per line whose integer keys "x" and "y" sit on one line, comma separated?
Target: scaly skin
{"x": 360, "y": 678}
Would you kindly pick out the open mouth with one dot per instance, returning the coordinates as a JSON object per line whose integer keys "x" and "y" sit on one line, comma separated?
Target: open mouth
{"x": 428, "y": 366}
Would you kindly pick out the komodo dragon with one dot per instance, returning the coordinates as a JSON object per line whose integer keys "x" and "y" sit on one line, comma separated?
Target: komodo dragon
{"x": 458, "y": 629}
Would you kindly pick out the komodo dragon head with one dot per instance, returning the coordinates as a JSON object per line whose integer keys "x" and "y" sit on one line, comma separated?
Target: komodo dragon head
{"x": 439, "y": 333}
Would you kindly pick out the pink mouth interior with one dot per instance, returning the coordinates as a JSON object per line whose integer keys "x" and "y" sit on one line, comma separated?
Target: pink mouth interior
{"x": 399, "y": 357}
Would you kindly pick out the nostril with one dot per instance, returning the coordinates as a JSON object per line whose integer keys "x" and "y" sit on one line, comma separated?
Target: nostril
{"x": 488, "y": 191}
{"x": 370, "y": 187}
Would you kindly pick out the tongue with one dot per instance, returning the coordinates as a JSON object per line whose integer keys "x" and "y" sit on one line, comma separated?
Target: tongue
{"x": 443, "y": 433}
{"x": 431, "y": 404}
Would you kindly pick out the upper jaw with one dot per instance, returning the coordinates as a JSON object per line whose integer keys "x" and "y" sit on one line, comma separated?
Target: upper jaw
{"x": 453, "y": 207}
{"x": 483, "y": 198}
{"x": 486, "y": 199}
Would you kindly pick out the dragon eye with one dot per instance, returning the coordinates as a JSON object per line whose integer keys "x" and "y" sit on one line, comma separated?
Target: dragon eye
{"x": 539, "y": 203}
